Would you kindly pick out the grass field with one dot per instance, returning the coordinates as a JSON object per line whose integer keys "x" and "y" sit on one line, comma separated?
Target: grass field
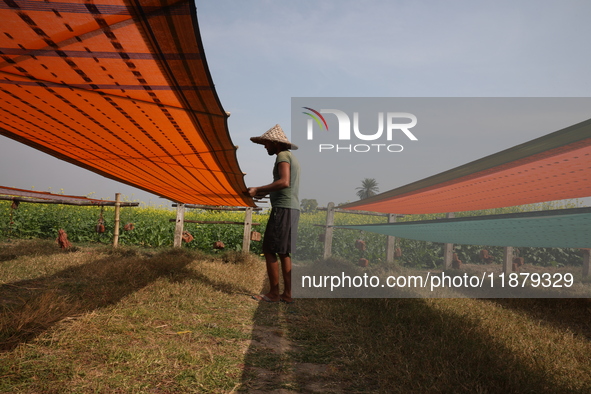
{"x": 131, "y": 320}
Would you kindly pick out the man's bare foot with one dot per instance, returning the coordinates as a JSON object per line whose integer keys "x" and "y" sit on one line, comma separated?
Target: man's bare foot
{"x": 286, "y": 299}
{"x": 266, "y": 298}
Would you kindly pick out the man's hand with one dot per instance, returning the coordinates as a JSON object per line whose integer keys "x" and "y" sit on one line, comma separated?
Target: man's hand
{"x": 255, "y": 193}
{"x": 281, "y": 183}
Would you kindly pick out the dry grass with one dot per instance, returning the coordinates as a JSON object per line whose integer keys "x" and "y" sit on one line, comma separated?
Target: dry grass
{"x": 124, "y": 321}
{"x": 143, "y": 321}
{"x": 456, "y": 345}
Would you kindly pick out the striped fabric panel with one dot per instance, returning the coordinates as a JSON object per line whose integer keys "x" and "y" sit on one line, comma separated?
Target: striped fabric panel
{"x": 553, "y": 167}
{"x": 122, "y": 89}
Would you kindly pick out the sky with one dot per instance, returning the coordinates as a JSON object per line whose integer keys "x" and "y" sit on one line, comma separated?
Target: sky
{"x": 261, "y": 54}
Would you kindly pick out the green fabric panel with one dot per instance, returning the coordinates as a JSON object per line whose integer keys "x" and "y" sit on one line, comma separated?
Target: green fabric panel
{"x": 565, "y": 228}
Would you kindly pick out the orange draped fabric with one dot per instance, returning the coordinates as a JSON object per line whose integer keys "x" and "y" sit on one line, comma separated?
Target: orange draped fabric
{"x": 120, "y": 88}
{"x": 553, "y": 167}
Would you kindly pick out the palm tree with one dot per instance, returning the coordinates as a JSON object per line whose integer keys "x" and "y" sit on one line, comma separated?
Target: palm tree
{"x": 368, "y": 188}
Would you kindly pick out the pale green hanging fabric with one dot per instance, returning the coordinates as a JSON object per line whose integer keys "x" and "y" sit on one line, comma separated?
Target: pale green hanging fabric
{"x": 563, "y": 228}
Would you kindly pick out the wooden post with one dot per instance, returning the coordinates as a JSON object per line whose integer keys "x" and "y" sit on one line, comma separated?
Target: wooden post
{"x": 448, "y": 249}
{"x": 179, "y": 226}
{"x": 586, "y": 261}
{"x": 328, "y": 230}
{"x": 508, "y": 260}
{"x": 117, "y": 219}
{"x": 247, "y": 230}
{"x": 391, "y": 241}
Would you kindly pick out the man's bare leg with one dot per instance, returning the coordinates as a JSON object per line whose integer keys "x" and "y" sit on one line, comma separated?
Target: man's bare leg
{"x": 273, "y": 274}
{"x": 286, "y": 269}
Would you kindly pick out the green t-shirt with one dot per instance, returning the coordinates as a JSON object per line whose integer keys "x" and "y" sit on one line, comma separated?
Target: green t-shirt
{"x": 288, "y": 197}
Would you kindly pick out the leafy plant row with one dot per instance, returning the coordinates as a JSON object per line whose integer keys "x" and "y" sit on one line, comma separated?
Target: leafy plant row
{"x": 152, "y": 228}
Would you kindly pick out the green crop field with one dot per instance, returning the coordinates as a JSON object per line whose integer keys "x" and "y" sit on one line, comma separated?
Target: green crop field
{"x": 152, "y": 228}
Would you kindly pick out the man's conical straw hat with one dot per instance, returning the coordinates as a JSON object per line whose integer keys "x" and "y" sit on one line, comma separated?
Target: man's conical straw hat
{"x": 274, "y": 134}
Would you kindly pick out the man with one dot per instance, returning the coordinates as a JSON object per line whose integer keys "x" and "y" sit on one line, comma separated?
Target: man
{"x": 281, "y": 231}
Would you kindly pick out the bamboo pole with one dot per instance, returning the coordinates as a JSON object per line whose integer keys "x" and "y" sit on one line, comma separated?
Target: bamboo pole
{"x": 329, "y": 230}
{"x": 448, "y": 249}
{"x": 391, "y": 241}
{"x": 508, "y": 260}
{"x": 215, "y": 208}
{"x": 178, "y": 229}
{"x": 247, "y": 228}
{"x": 80, "y": 203}
{"x": 117, "y": 219}
{"x": 369, "y": 213}
{"x": 214, "y": 222}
